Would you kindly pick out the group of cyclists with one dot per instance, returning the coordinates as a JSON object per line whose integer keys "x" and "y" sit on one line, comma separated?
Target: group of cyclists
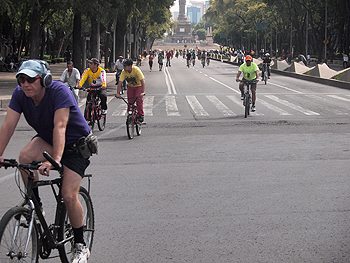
{"x": 50, "y": 107}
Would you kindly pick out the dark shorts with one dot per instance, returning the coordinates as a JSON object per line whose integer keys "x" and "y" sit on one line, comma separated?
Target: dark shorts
{"x": 74, "y": 161}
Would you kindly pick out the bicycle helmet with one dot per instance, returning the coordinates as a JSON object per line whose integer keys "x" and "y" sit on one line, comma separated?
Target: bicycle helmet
{"x": 248, "y": 58}
{"x": 128, "y": 62}
{"x": 267, "y": 54}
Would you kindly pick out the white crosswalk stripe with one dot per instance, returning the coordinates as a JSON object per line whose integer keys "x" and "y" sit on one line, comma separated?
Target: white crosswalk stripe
{"x": 168, "y": 105}
{"x": 291, "y": 105}
{"x": 273, "y": 108}
{"x": 239, "y": 102}
{"x": 339, "y": 98}
{"x": 196, "y": 106}
{"x": 148, "y": 105}
{"x": 171, "y": 106}
{"x": 221, "y": 106}
{"x": 121, "y": 110}
{"x": 323, "y": 99}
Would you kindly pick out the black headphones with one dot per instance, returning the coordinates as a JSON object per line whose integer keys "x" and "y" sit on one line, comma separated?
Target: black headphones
{"x": 46, "y": 77}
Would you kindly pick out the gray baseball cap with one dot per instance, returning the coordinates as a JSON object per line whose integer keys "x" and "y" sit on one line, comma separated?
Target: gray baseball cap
{"x": 31, "y": 68}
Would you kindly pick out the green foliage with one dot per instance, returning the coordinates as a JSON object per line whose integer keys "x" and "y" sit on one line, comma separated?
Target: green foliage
{"x": 243, "y": 22}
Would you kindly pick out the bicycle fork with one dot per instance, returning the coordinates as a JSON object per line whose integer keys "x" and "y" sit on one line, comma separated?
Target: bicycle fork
{"x": 23, "y": 254}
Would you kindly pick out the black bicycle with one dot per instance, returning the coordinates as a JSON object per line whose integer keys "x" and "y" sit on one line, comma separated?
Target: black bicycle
{"x": 247, "y": 95}
{"x": 24, "y": 232}
{"x": 93, "y": 111}
{"x": 132, "y": 121}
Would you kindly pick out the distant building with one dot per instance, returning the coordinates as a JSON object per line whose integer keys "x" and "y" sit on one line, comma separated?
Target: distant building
{"x": 194, "y": 14}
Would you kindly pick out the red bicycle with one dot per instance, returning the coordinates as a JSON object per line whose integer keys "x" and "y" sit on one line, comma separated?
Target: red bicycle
{"x": 132, "y": 122}
{"x": 93, "y": 111}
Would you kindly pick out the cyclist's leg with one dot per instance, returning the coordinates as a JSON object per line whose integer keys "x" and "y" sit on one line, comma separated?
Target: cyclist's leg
{"x": 253, "y": 88}
{"x": 131, "y": 95}
{"x": 241, "y": 85}
{"x": 33, "y": 151}
{"x": 268, "y": 70}
{"x": 139, "y": 101}
{"x": 103, "y": 97}
{"x": 74, "y": 168}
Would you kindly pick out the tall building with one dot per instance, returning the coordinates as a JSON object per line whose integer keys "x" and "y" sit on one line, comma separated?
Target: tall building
{"x": 194, "y": 14}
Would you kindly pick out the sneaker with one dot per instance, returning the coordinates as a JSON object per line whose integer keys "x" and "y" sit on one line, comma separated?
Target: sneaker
{"x": 80, "y": 253}
{"x": 242, "y": 96}
{"x": 253, "y": 108}
{"x": 104, "y": 112}
{"x": 141, "y": 118}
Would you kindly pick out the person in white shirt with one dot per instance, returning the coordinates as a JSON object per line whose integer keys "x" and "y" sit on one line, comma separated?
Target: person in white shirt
{"x": 345, "y": 60}
{"x": 71, "y": 77}
{"x": 118, "y": 67}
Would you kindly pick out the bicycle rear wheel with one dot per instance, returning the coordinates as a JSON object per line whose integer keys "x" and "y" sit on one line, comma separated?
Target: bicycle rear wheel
{"x": 13, "y": 237}
{"x": 66, "y": 231}
{"x": 130, "y": 127}
{"x": 265, "y": 77}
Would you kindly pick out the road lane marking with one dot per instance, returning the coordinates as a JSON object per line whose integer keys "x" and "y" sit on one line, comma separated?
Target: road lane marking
{"x": 239, "y": 102}
{"x": 121, "y": 110}
{"x": 171, "y": 107}
{"x": 283, "y": 87}
{"x": 148, "y": 105}
{"x": 223, "y": 84}
{"x": 221, "y": 106}
{"x": 291, "y": 105}
{"x": 196, "y": 106}
{"x": 273, "y": 107}
{"x": 169, "y": 82}
{"x": 339, "y": 98}
{"x": 329, "y": 101}
{"x": 236, "y": 100}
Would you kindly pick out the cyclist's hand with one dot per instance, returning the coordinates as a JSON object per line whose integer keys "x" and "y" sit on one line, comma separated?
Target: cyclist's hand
{"x": 237, "y": 80}
{"x": 118, "y": 96}
{"x": 45, "y": 168}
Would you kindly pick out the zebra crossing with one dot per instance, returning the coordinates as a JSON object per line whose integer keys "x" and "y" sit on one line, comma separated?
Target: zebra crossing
{"x": 231, "y": 105}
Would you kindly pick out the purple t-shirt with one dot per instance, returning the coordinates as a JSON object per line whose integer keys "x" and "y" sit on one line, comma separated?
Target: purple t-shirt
{"x": 41, "y": 117}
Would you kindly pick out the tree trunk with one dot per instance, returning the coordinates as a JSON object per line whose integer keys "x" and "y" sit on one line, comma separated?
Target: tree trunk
{"x": 77, "y": 41}
{"x": 121, "y": 28}
{"x": 35, "y": 32}
{"x": 95, "y": 37}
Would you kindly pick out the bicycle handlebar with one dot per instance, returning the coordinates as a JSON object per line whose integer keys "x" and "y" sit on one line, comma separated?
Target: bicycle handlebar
{"x": 33, "y": 165}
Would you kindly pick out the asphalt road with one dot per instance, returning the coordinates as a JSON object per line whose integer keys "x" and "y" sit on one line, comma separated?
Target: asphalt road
{"x": 203, "y": 184}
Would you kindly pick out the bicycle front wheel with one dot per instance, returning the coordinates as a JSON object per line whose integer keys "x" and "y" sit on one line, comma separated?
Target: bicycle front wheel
{"x": 130, "y": 127}
{"x": 66, "y": 231}
{"x": 14, "y": 227}
{"x": 101, "y": 120}
{"x": 246, "y": 106}
{"x": 138, "y": 128}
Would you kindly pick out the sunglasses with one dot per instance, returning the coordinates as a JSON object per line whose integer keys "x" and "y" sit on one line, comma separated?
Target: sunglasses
{"x": 22, "y": 78}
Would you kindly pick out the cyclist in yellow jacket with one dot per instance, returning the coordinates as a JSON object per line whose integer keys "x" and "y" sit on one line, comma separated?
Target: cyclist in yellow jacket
{"x": 96, "y": 77}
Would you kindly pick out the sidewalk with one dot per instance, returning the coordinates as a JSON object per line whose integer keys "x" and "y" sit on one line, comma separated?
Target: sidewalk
{"x": 8, "y": 82}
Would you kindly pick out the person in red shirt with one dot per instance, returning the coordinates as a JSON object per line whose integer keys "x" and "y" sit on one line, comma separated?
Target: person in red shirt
{"x": 168, "y": 58}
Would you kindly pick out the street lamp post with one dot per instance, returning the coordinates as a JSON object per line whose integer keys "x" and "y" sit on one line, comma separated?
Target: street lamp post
{"x": 325, "y": 31}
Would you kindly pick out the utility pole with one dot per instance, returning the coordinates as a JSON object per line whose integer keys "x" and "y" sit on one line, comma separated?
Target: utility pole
{"x": 307, "y": 34}
{"x": 325, "y": 31}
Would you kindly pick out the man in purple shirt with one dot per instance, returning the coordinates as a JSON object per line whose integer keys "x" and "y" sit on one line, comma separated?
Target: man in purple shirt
{"x": 51, "y": 110}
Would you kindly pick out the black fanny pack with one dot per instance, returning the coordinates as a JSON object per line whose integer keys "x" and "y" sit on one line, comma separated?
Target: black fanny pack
{"x": 86, "y": 146}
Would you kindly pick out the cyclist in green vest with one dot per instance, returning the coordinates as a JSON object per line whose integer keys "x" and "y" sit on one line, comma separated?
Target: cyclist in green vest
{"x": 250, "y": 72}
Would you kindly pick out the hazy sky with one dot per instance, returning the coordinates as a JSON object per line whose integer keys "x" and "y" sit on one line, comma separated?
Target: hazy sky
{"x": 175, "y": 7}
